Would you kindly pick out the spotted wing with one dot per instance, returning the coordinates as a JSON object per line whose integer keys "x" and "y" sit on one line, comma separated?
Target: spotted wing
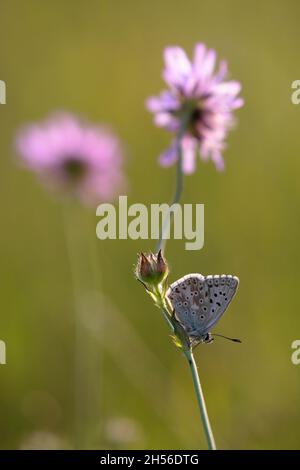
{"x": 199, "y": 301}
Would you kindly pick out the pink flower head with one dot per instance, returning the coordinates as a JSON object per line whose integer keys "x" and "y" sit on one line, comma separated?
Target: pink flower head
{"x": 199, "y": 97}
{"x": 73, "y": 156}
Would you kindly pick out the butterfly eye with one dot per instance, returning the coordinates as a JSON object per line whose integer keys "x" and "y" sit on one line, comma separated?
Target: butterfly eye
{"x": 201, "y": 301}
{"x": 202, "y": 317}
{"x": 204, "y": 308}
{"x": 195, "y": 293}
{"x": 185, "y": 304}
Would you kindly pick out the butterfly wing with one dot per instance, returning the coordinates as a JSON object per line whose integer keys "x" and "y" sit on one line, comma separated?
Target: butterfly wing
{"x": 199, "y": 301}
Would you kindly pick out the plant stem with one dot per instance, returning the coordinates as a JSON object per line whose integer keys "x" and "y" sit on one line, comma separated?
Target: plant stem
{"x": 160, "y": 301}
{"x": 178, "y": 187}
{"x": 76, "y": 225}
{"x": 201, "y": 402}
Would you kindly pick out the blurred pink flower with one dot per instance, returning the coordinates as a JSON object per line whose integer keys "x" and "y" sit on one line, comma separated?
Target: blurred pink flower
{"x": 202, "y": 99}
{"x": 73, "y": 156}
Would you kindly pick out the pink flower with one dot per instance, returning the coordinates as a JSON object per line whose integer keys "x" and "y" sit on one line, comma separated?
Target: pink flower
{"x": 73, "y": 156}
{"x": 201, "y": 99}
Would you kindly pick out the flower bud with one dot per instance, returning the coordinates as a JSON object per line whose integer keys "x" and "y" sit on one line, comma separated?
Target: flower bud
{"x": 151, "y": 269}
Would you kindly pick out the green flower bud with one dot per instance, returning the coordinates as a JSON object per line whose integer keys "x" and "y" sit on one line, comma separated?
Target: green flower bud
{"x": 151, "y": 269}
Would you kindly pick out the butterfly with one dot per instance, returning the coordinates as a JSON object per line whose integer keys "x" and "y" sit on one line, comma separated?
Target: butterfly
{"x": 200, "y": 301}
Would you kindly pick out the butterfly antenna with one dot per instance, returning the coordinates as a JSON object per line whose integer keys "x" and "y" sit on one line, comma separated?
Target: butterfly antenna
{"x": 235, "y": 340}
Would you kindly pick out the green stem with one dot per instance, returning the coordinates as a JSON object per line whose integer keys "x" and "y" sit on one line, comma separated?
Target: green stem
{"x": 201, "y": 402}
{"x": 162, "y": 304}
{"x": 178, "y": 187}
{"x": 85, "y": 389}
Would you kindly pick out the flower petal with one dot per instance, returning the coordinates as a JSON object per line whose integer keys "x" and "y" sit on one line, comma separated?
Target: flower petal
{"x": 228, "y": 88}
{"x": 209, "y": 63}
{"x": 218, "y": 160}
{"x": 177, "y": 67}
{"x": 189, "y": 147}
{"x": 169, "y": 157}
{"x": 166, "y": 120}
{"x": 166, "y": 101}
{"x": 199, "y": 55}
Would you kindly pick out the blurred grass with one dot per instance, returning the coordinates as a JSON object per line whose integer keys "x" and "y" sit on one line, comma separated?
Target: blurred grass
{"x": 102, "y": 59}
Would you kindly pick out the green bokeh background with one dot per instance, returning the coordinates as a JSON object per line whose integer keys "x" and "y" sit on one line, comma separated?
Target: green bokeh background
{"x": 102, "y": 59}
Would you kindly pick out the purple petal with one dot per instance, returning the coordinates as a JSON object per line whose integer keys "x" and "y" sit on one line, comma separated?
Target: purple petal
{"x": 228, "y": 88}
{"x": 169, "y": 157}
{"x": 166, "y": 120}
{"x": 222, "y": 72}
{"x": 199, "y": 54}
{"x": 166, "y": 101}
{"x": 218, "y": 160}
{"x": 209, "y": 63}
{"x": 177, "y": 67}
{"x": 189, "y": 147}
{"x": 237, "y": 103}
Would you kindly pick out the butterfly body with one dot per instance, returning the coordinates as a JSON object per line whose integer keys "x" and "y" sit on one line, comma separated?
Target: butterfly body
{"x": 199, "y": 302}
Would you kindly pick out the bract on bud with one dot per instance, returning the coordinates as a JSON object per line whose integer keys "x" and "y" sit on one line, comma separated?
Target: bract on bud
{"x": 151, "y": 269}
